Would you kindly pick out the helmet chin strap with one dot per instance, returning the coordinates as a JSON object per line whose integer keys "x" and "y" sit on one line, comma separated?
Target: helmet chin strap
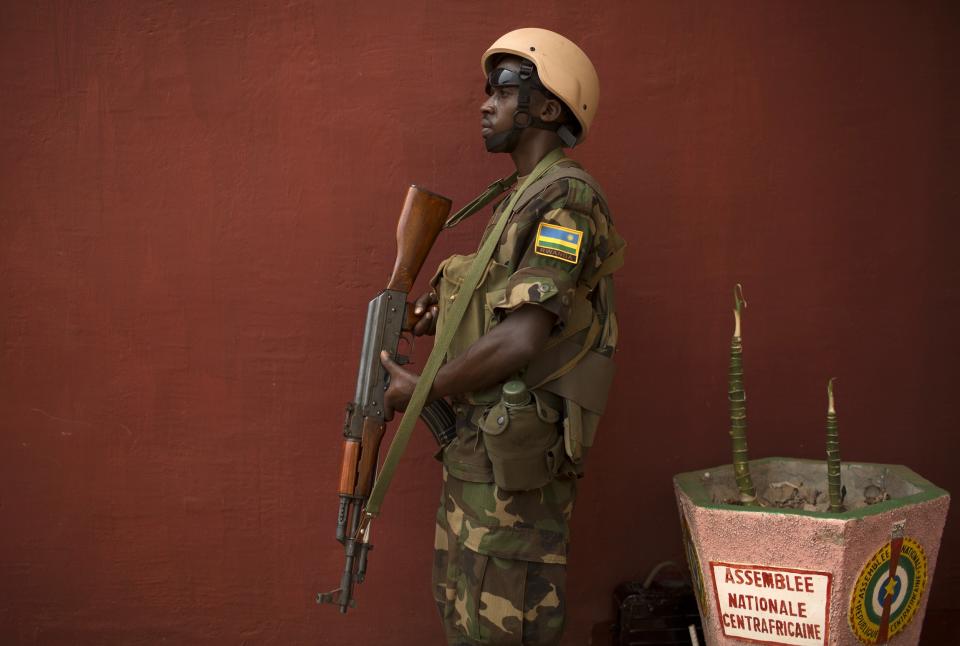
{"x": 506, "y": 142}
{"x": 503, "y": 142}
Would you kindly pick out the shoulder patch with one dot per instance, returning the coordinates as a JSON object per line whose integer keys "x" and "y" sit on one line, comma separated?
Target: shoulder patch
{"x": 558, "y": 242}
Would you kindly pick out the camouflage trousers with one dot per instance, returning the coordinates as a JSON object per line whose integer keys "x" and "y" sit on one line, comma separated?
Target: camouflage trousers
{"x": 487, "y": 599}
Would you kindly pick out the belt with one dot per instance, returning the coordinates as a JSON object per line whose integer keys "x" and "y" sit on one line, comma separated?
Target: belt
{"x": 470, "y": 413}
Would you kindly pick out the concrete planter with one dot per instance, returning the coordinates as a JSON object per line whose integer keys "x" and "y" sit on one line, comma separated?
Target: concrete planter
{"x": 805, "y": 576}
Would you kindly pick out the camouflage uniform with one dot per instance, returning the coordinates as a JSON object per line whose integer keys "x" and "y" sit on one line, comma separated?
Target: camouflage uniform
{"x": 499, "y": 570}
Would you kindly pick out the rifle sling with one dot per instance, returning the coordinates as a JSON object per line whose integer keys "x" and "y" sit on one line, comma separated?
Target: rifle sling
{"x": 530, "y": 192}
{"x": 441, "y": 345}
{"x": 491, "y": 192}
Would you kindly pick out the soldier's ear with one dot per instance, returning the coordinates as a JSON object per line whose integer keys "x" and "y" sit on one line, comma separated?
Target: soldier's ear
{"x": 551, "y": 110}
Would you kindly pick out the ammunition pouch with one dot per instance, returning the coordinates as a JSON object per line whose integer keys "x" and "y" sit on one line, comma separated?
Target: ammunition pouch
{"x": 579, "y": 377}
{"x": 524, "y": 443}
{"x": 464, "y": 457}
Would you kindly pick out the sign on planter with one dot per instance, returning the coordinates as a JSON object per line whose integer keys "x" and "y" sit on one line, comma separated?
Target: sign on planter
{"x": 772, "y": 605}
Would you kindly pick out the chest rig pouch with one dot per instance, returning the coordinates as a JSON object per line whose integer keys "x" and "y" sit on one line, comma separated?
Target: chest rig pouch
{"x": 466, "y": 457}
{"x": 521, "y": 434}
{"x": 479, "y": 317}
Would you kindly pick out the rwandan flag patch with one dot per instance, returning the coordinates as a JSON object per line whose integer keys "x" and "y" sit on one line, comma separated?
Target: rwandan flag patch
{"x": 558, "y": 242}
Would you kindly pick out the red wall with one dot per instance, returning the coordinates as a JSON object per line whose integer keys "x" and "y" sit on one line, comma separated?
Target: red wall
{"x": 198, "y": 198}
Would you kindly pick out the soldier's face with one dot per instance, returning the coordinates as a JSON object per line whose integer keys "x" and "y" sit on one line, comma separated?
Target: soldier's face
{"x": 496, "y": 113}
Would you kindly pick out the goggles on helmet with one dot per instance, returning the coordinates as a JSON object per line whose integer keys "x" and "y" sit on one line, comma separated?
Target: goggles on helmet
{"x": 503, "y": 77}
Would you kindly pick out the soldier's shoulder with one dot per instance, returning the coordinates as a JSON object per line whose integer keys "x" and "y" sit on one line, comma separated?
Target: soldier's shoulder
{"x": 578, "y": 193}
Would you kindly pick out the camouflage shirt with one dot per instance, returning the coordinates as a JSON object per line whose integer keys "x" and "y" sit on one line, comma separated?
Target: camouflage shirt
{"x": 557, "y": 240}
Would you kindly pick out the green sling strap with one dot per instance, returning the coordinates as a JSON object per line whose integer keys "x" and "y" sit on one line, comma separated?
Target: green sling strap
{"x": 492, "y": 191}
{"x": 440, "y": 346}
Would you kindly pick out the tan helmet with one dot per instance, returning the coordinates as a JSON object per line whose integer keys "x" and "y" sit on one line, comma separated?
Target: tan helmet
{"x": 563, "y": 69}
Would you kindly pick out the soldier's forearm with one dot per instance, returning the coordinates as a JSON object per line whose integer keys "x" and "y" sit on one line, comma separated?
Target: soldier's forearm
{"x": 497, "y": 355}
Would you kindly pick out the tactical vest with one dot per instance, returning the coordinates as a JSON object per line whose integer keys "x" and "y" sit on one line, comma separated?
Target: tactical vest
{"x": 569, "y": 380}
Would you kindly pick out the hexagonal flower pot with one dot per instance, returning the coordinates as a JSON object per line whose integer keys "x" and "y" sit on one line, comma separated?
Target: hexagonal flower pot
{"x": 804, "y": 576}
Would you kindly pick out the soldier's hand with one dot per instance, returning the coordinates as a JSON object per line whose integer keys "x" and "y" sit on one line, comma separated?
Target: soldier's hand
{"x": 400, "y": 389}
{"x": 426, "y": 310}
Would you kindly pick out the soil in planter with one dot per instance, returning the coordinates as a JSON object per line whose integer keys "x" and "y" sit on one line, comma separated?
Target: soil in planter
{"x": 788, "y": 484}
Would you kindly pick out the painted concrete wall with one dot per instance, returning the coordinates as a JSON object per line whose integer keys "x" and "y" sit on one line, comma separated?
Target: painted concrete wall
{"x": 198, "y": 198}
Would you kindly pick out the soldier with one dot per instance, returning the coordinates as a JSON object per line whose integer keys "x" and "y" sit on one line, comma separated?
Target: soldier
{"x": 530, "y": 364}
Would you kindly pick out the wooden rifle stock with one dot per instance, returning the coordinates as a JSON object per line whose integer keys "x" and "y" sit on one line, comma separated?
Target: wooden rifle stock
{"x": 421, "y": 221}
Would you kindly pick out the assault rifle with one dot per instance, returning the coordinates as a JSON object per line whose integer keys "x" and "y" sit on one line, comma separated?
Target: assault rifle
{"x": 388, "y": 316}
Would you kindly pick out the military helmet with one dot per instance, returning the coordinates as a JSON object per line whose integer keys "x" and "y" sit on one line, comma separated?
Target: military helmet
{"x": 561, "y": 66}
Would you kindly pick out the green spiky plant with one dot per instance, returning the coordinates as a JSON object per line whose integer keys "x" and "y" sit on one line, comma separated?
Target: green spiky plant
{"x": 738, "y": 406}
{"x": 833, "y": 453}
